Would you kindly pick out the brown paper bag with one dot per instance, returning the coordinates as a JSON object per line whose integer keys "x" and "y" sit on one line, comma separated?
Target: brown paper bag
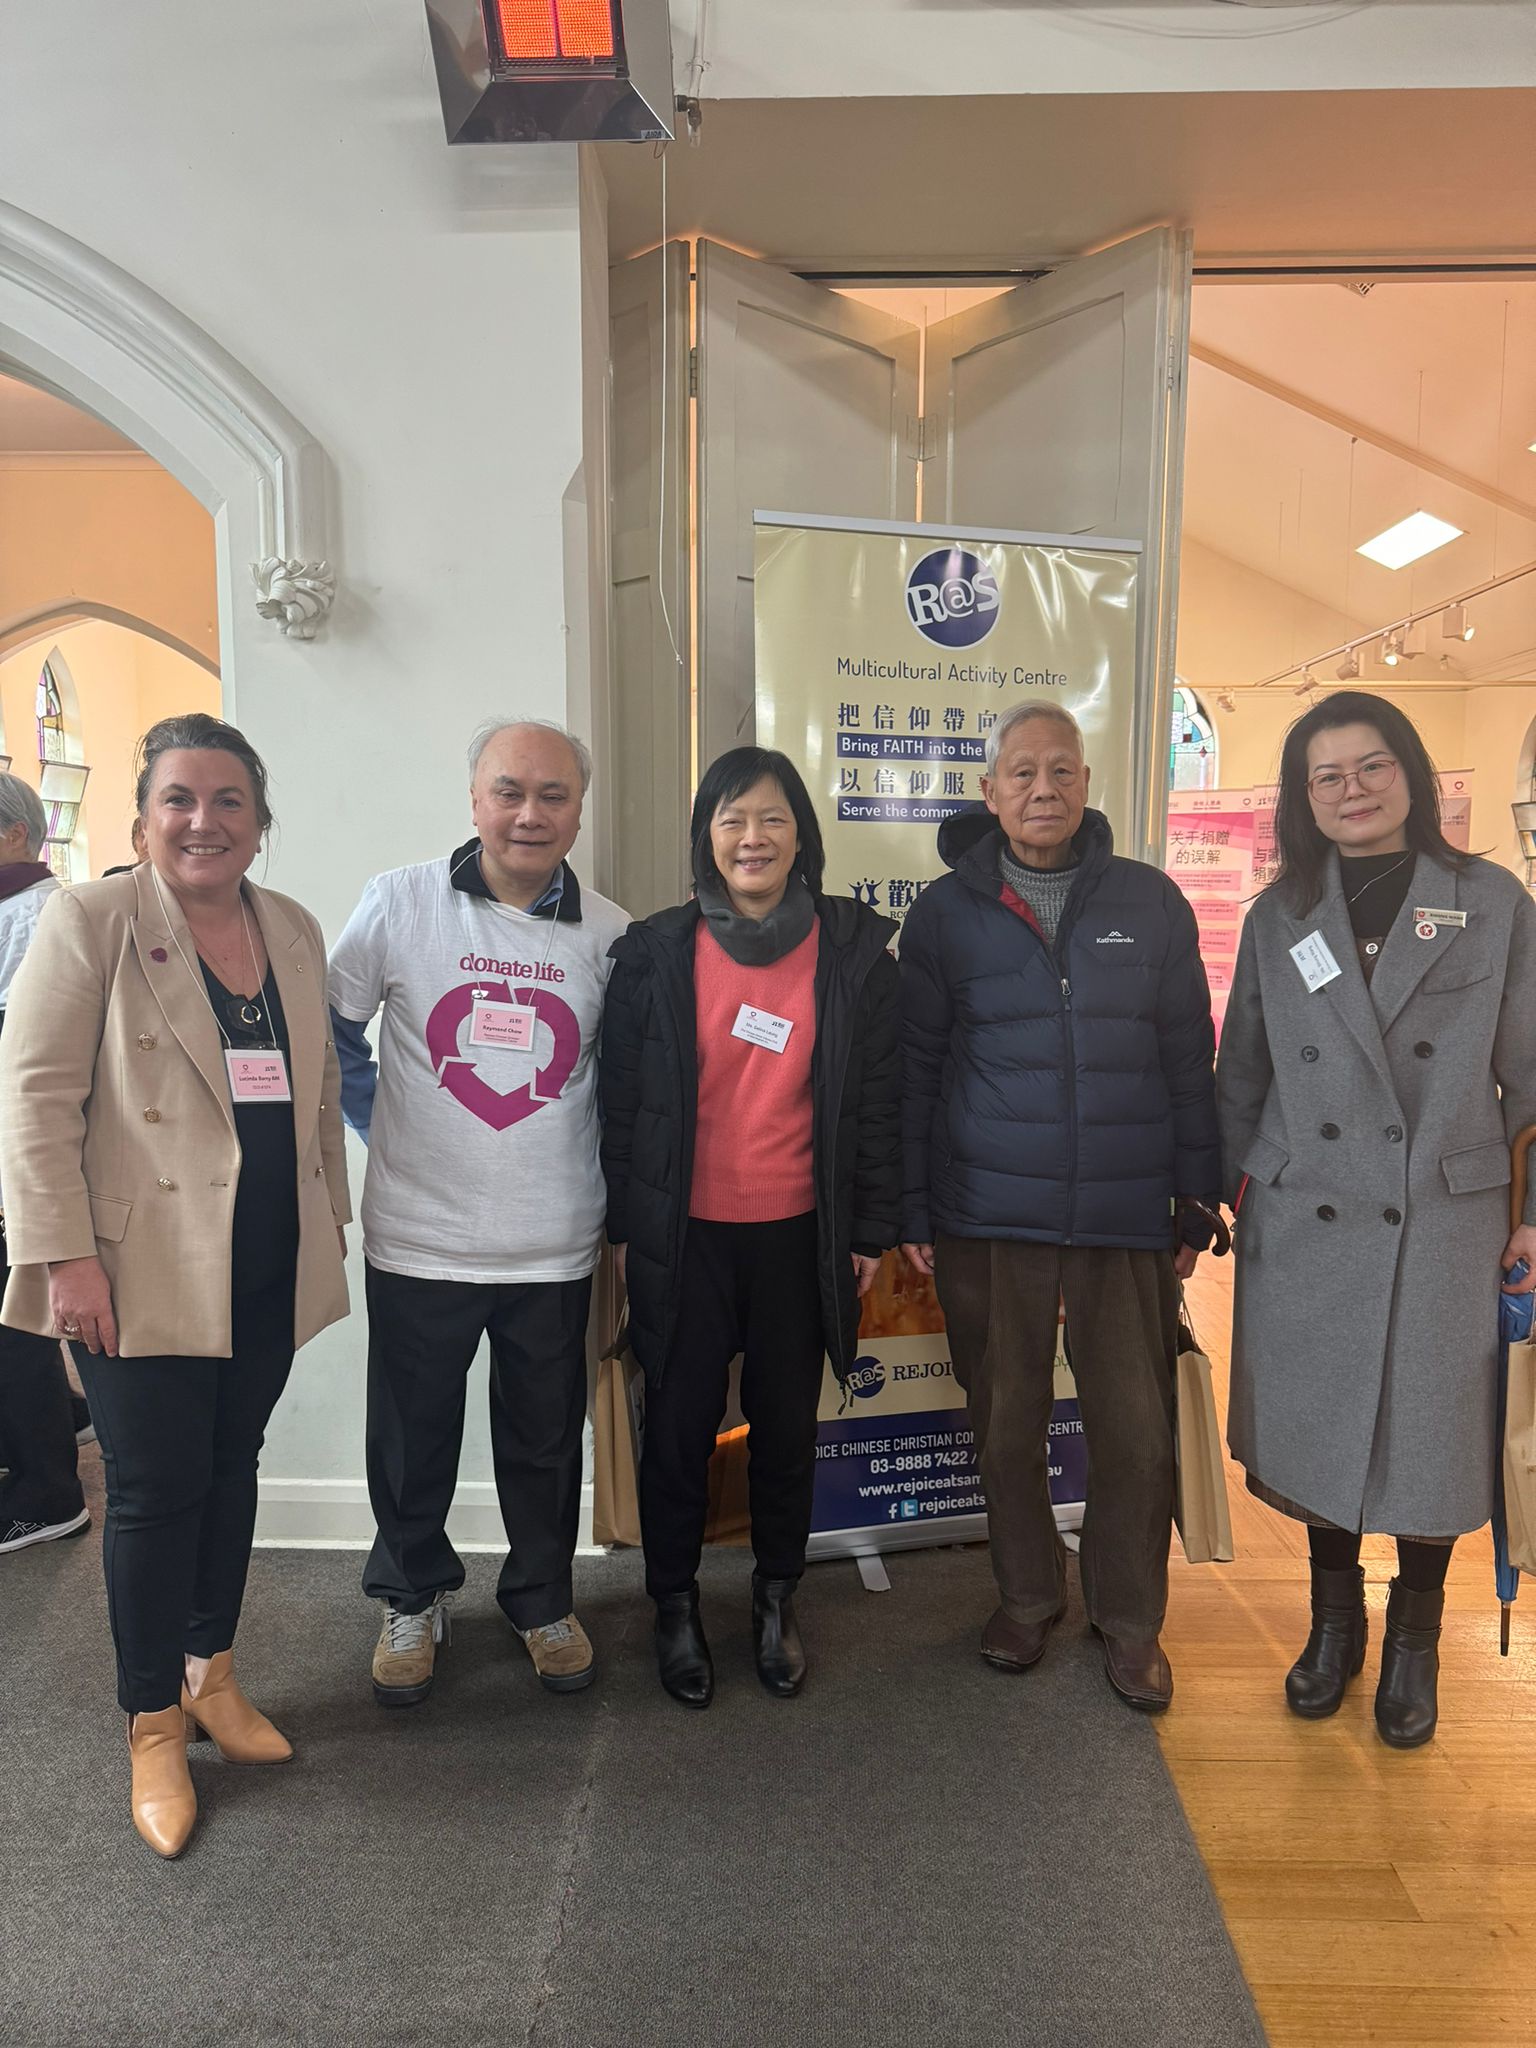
{"x": 1520, "y": 1457}
{"x": 616, "y": 1442}
{"x": 1204, "y": 1514}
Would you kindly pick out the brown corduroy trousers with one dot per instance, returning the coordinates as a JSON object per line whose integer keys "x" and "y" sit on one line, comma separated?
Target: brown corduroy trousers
{"x": 1000, "y": 1301}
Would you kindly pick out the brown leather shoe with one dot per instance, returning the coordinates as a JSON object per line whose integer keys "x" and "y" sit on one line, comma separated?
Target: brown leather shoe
{"x": 1138, "y": 1671}
{"x": 1011, "y": 1645}
{"x": 224, "y": 1714}
{"x": 164, "y": 1803}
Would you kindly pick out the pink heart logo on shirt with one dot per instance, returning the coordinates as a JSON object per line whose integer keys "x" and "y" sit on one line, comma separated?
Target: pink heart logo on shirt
{"x": 462, "y": 1079}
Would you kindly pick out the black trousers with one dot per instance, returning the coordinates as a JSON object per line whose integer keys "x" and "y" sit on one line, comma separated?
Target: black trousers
{"x": 752, "y": 1288}
{"x": 37, "y": 1427}
{"x": 422, "y": 1340}
{"x": 180, "y": 1439}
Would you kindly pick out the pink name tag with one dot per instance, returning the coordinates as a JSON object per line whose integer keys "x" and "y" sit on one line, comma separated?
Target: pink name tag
{"x": 258, "y": 1076}
{"x": 508, "y": 1026}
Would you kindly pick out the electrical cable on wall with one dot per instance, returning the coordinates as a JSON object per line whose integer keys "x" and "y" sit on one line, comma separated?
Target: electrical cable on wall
{"x": 666, "y": 377}
{"x": 1231, "y": 31}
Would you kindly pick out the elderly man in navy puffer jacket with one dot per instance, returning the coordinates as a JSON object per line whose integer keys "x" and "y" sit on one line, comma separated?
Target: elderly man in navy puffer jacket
{"x": 1059, "y": 1106}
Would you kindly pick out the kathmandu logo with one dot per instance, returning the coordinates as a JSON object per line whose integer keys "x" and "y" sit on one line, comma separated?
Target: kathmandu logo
{"x": 1114, "y": 939}
{"x": 461, "y": 1077}
{"x": 953, "y": 598}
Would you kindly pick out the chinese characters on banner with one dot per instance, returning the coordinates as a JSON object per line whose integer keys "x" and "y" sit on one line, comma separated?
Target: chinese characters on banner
{"x": 884, "y": 659}
{"x": 1221, "y": 852}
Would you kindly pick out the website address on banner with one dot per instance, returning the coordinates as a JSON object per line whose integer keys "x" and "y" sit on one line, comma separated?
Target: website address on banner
{"x": 901, "y": 1489}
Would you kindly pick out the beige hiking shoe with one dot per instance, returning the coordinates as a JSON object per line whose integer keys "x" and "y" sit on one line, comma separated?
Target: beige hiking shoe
{"x": 406, "y": 1652}
{"x": 561, "y": 1653}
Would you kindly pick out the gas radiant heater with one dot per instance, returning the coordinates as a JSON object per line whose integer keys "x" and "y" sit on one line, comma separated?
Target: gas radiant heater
{"x": 554, "y": 70}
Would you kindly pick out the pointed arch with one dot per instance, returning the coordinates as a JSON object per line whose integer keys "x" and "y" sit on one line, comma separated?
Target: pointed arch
{"x": 77, "y": 325}
{"x": 42, "y": 621}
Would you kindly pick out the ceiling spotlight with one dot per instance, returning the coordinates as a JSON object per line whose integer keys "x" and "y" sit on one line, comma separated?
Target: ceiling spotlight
{"x": 1455, "y": 624}
{"x": 1349, "y": 668}
{"x": 1417, "y": 535}
{"x": 1392, "y": 647}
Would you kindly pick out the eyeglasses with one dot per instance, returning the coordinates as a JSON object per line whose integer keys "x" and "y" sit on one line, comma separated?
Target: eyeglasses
{"x": 1329, "y": 786}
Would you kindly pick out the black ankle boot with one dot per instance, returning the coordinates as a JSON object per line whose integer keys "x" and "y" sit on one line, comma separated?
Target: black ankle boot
{"x": 682, "y": 1655}
{"x": 776, "y": 1636}
{"x": 1314, "y": 1685}
{"x": 1406, "y": 1704}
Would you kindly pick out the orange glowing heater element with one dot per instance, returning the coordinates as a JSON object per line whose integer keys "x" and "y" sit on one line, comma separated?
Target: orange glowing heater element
{"x": 570, "y": 29}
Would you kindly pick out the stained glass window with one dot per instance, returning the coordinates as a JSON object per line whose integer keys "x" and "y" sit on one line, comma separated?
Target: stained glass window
{"x": 1192, "y": 748}
{"x": 50, "y": 717}
{"x": 61, "y": 812}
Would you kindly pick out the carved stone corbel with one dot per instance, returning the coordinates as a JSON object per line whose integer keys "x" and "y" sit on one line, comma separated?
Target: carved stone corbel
{"x": 297, "y": 595}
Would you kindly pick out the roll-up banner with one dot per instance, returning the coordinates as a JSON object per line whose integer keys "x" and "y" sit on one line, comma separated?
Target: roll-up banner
{"x": 885, "y": 655}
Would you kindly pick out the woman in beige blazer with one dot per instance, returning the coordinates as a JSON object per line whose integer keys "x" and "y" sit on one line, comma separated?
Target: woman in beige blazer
{"x": 171, "y": 1151}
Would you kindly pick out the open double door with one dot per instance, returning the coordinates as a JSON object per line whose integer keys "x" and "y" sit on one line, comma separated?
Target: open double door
{"x": 1055, "y": 408}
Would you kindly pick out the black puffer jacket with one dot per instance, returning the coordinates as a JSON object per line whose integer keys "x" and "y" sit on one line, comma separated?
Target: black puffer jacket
{"x": 1061, "y": 1094}
{"x": 650, "y": 1088}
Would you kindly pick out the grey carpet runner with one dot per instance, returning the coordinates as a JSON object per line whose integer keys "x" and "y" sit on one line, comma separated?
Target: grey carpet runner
{"x": 918, "y": 1850}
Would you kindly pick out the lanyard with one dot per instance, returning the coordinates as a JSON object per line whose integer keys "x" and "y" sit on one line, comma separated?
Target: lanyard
{"x": 197, "y": 979}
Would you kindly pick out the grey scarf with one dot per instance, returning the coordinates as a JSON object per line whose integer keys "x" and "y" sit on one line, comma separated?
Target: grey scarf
{"x": 759, "y": 941}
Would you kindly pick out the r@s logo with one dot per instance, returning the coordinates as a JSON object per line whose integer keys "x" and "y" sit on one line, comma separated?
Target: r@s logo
{"x": 866, "y": 1379}
{"x": 953, "y": 598}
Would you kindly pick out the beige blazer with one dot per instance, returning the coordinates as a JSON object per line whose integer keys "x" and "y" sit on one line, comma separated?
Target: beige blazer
{"x": 117, "y": 1135}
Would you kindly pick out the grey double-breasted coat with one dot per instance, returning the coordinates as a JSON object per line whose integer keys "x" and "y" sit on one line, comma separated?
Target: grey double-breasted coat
{"x": 1371, "y": 1130}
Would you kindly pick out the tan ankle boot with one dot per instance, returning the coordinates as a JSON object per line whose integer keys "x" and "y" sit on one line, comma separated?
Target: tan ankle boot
{"x": 223, "y": 1713}
{"x": 164, "y": 1803}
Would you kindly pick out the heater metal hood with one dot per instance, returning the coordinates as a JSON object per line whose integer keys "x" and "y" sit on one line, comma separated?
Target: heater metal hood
{"x": 554, "y": 70}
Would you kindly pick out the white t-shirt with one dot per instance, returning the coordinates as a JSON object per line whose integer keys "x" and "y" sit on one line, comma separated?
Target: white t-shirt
{"x": 482, "y": 1160}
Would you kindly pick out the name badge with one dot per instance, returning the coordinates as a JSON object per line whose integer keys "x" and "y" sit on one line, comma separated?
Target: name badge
{"x": 1315, "y": 962}
{"x": 761, "y": 1027}
{"x": 509, "y": 1027}
{"x": 258, "y": 1076}
{"x": 1458, "y": 918}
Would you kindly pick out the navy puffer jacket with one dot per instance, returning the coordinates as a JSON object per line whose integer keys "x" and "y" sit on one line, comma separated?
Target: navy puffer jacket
{"x": 1063, "y": 1094}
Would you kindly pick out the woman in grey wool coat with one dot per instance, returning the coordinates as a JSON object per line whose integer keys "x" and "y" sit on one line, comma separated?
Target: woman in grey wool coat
{"x": 1378, "y": 1055}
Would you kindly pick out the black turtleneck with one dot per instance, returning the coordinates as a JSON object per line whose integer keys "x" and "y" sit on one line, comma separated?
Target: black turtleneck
{"x": 1374, "y": 888}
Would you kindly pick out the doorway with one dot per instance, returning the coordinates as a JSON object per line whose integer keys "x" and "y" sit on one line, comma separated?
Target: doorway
{"x": 108, "y": 617}
{"x": 1360, "y": 512}
{"x": 1052, "y": 406}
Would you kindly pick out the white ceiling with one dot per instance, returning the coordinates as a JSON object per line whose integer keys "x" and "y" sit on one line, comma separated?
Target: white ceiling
{"x": 1449, "y": 369}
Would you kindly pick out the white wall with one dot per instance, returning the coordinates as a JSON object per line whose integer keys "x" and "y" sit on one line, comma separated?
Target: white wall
{"x": 836, "y": 48}
{"x": 280, "y": 175}
{"x": 1238, "y": 626}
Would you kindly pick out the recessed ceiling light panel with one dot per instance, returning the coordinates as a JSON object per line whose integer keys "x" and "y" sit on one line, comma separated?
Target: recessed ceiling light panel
{"x": 1411, "y": 539}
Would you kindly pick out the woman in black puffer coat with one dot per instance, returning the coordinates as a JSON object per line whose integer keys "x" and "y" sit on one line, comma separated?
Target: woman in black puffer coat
{"x": 751, "y": 1144}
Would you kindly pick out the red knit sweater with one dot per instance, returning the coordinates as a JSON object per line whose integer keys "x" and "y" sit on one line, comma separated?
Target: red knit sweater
{"x": 752, "y": 1152}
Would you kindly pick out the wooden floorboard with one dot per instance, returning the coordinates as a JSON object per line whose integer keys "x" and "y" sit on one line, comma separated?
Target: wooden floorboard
{"x": 1373, "y": 1896}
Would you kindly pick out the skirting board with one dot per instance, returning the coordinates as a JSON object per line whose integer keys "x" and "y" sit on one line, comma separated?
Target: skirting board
{"x": 333, "y": 1514}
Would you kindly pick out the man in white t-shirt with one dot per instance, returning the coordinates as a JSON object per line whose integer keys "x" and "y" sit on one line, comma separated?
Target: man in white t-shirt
{"x": 483, "y": 1203}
